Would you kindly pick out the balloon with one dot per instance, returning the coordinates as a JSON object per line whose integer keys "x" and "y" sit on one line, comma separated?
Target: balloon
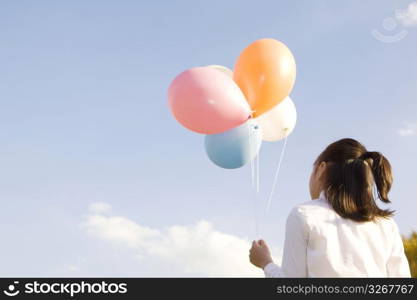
{"x": 278, "y": 122}
{"x": 265, "y": 72}
{"x": 225, "y": 70}
{"x": 234, "y": 148}
{"x": 207, "y": 101}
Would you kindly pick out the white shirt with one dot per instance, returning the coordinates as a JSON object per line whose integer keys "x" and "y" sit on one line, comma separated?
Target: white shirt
{"x": 320, "y": 243}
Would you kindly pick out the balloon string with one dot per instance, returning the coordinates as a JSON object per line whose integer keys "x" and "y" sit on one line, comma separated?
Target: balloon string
{"x": 255, "y": 199}
{"x": 257, "y": 172}
{"x": 274, "y": 184}
{"x": 252, "y": 168}
{"x": 252, "y": 172}
{"x": 252, "y": 161}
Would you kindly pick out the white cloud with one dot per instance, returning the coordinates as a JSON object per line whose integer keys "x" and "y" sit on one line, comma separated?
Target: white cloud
{"x": 408, "y": 17}
{"x": 409, "y": 129}
{"x": 197, "y": 250}
{"x": 99, "y": 207}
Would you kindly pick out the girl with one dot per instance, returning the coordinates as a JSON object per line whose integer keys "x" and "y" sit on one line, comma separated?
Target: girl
{"x": 342, "y": 232}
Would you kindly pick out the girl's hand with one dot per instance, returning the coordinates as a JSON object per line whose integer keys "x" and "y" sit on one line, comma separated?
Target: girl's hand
{"x": 259, "y": 254}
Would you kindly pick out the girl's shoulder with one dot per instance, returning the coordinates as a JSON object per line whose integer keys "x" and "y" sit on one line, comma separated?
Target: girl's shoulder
{"x": 310, "y": 211}
{"x": 388, "y": 223}
{"x": 315, "y": 206}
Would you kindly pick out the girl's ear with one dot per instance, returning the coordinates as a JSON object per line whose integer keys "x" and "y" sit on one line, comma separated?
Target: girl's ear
{"x": 320, "y": 169}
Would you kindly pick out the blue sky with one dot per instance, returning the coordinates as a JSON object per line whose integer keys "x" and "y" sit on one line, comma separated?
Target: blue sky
{"x": 84, "y": 119}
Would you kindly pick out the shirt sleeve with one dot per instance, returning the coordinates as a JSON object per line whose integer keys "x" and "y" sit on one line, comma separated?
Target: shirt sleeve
{"x": 397, "y": 264}
{"x": 273, "y": 270}
{"x": 295, "y": 248}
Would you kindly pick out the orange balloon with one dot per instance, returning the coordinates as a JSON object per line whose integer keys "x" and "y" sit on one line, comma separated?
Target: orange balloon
{"x": 265, "y": 72}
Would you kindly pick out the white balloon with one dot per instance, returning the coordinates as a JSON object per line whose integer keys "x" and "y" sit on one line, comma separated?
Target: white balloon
{"x": 278, "y": 122}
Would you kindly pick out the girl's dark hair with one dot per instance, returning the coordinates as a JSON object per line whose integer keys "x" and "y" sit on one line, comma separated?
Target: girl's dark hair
{"x": 352, "y": 174}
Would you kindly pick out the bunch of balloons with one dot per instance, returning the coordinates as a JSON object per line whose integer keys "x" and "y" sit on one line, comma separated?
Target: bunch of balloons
{"x": 240, "y": 109}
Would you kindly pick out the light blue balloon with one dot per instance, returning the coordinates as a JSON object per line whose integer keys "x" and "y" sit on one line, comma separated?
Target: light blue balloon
{"x": 234, "y": 148}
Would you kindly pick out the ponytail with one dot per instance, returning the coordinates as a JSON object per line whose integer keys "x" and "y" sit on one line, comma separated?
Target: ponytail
{"x": 381, "y": 170}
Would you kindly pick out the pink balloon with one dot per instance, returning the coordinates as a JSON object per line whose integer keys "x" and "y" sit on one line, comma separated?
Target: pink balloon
{"x": 207, "y": 101}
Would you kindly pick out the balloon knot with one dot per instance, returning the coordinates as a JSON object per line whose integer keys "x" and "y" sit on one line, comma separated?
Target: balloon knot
{"x": 251, "y": 114}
